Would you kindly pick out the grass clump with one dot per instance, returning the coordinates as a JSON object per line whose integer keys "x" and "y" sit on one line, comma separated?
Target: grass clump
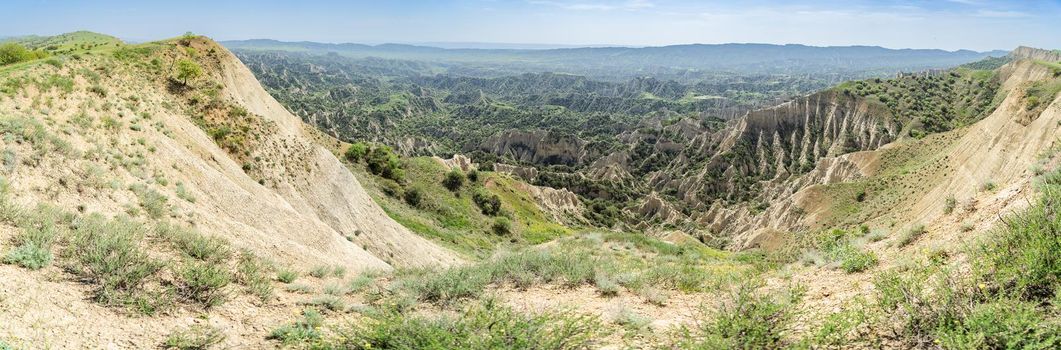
{"x": 253, "y": 273}
{"x": 320, "y": 271}
{"x": 911, "y": 235}
{"x": 196, "y": 337}
{"x": 746, "y": 321}
{"x": 107, "y": 253}
{"x": 204, "y": 283}
{"x": 194, "y": 244}
{"x": 521, "y": 269}
{"x": 305, "y": 331}
{"x": 38, "y": 231}
{"x": 286, "y": 276}
{"x": 486, "y": 325}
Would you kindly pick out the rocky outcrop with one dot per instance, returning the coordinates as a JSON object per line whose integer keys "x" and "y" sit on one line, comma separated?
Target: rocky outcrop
{"x": 526, "y": 173}
{"x": 536, "y": 147}
{"x": 1036, "y": 54}
{"x": 459, "y": 162}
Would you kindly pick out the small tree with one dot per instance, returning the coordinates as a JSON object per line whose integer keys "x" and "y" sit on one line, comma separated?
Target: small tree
{"x": 188, "y": 70}
{"x": 414, "y": 197}
{"x": 454, "y": 180}
{"x": 356, "y": 152}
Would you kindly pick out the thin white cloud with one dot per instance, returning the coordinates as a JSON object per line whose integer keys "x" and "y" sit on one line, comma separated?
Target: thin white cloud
{"x": 1001, "y": 14}
{"x": 599, "y": 5}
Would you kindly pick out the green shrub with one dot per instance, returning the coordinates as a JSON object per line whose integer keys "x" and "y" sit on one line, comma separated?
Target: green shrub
{"x": 11, "y": 53}
{"x": 320, "y": 271}
{"x": 949, "y": 204}
{"x": 304, "y": 332}
{"x": 196, "y": 337}
{"x": 326, "y": 302}
{"x": 489, "y": 204}
{"x": 454, "y": 180}
{"x": 29, "y": 255}
{"x": 107, "y": 253}
{"x": 857, "y": 261}
{"x": 153, "y": 203}
{"x": 746, "y": 321}
{"x": 1005, "y": 324}
{"x": 502, "y": 226}
{"x": 286, "y": 276}
{"x": 911, "y": 235}
{"x": 414, "y": 197}
{"x": 204, "y": 283}
{"x": 252, "y": 272}
{"x": 195, "y": 244}
{"x": 482, "y": 326}
{"x": 356, "y": 152}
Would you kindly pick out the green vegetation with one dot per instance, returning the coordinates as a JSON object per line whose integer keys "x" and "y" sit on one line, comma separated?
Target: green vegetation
{"x": 462, "y": 218}
{"x": 746, "y": 321}
{"x": 932, "y": 103}
{"x": 187, "y": 70}
{"x": 196, "y": 337}
{"x": 286, "y": 276}
{"x": 607, "y": 261}
{"x": 485, "y": 325}
{"x": 11, "y": 53}
{"x": 305, "y": 331}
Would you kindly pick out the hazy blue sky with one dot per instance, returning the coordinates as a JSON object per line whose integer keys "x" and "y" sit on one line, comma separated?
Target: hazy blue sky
{"x": 954, "y": 24}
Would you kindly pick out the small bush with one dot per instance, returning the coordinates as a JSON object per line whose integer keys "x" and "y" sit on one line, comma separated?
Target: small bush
{"x": 483, "y": 326}
{"x": 320, "y": 271}
{"x": 204, "y": 283}
{"x": 107, "y": 253}
{"x": 30, "y": 256}
{"x": 356, "y": 152}
{"x": 858, "y": 261}
{"x": 326, "y": 302}
{"x": 304, "y": 331}
{"x": 502, "y": 226}
{"x": 194, "y": 244}
{"x": 489, "y": 204}
{"x": 253, "y": 273}
{"x": 949, "y": 204}
{"x": 196, "y": 337}
{"x": 454, "y": 180}
{"x": 911, "y": 235}
{"x": 746, "y": 321}
{"x": 414, "y": 197}
{"x": 286, "y": 276}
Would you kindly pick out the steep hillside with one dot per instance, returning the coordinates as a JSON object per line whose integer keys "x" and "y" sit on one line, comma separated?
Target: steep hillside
{"x": 160, "y": 178}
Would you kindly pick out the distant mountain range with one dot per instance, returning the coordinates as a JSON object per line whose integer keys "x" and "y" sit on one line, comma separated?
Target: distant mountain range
{"x": 625, "y": 62}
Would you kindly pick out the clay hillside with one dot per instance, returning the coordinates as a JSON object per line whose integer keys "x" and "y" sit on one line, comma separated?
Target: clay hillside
{"x": 155, "y": 195}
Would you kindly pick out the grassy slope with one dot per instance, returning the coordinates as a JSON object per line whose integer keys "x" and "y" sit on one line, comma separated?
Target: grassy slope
{"x": 454, "y": 219}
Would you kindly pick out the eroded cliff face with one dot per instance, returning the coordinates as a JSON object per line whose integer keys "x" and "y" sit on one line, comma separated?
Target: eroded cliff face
{"x": 772, "y": 145}
{"x": 537, "y": 147}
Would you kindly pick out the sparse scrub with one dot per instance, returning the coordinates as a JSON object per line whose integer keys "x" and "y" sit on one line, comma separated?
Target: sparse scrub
{"x": 949, "y": 204}
{"x": 196, "y": 337}
{"x": 326, "y": 302}
{"x": 502, "y": 226}
{"x": 320, "y": 271}
{"x": 154, "y": 203}
{"x": 746, "y": 321}
{"x": 252, "y": 272}
{"x": 300, "y": 288}
{"x": 486, "y": 325}
{"x": 911, "y": 235}
{"x": 204, "y": 283}
{"x": 195, "y": 244}
{"x": 286, "y": 276}
{"x": 305, "y": 331}
{"x": 107, "y": 253}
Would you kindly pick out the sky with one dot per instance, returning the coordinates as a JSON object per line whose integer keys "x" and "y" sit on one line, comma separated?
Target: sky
{"x": 946, "y": 24}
